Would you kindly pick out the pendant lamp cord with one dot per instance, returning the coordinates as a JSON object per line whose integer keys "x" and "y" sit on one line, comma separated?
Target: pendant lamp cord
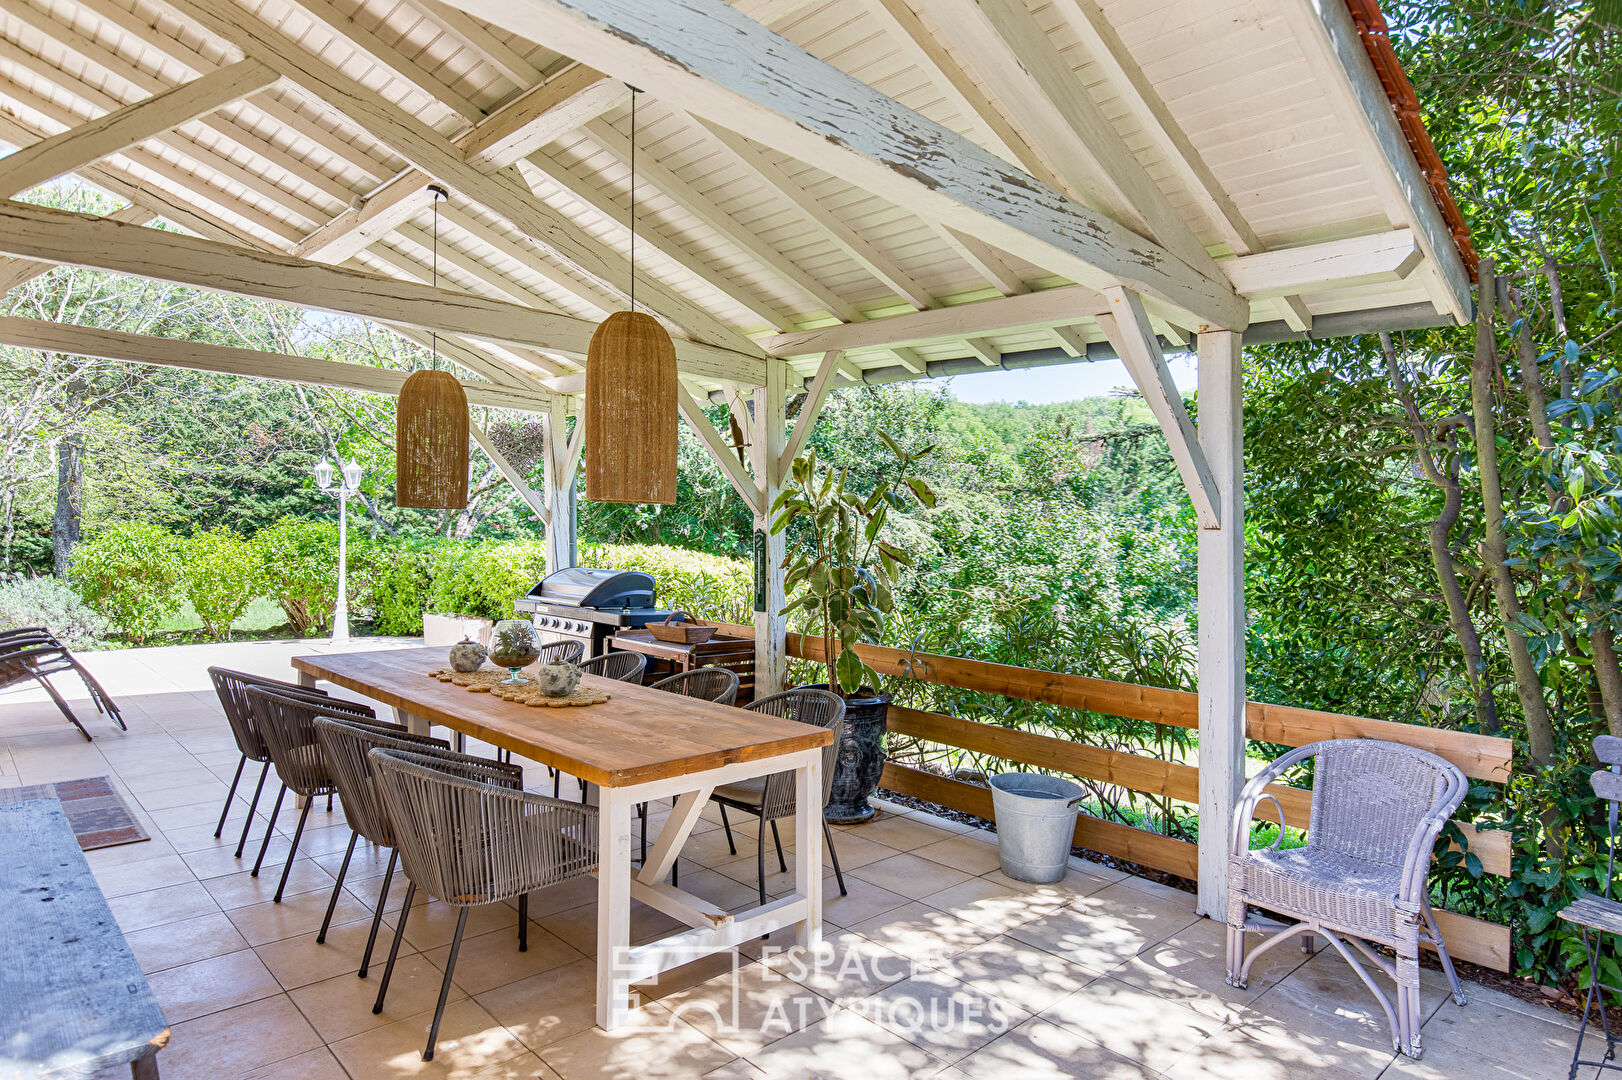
{"x": 433, "y": 336}
{"x": 634, "y": 93}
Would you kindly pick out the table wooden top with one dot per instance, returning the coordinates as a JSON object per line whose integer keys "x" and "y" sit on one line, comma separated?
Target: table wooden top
{"x": 638, "y": 735}
{"x": 72, "y": 998}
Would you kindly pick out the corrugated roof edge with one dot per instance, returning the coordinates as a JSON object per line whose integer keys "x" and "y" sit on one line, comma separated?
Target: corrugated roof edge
{"x": 1376, "y": 35}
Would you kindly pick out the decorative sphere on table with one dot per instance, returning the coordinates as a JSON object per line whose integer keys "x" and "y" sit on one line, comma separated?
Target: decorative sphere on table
{"x": 513, "y": 645}
{"x": 468, "y": 655}
{"x": 557, "y": 679}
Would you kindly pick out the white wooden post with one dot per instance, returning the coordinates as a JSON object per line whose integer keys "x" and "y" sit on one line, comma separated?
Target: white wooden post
{"x": 765, "y": 457}
{"x": 560, "y": 488}
{"x": 1222, "y": 615}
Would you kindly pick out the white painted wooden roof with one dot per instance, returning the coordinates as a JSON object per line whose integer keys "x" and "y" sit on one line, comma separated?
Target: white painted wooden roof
{"x": 1252, "y": 120}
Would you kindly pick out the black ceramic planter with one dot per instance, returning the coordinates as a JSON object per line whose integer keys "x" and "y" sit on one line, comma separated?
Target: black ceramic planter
{"x": 861, "y": 758}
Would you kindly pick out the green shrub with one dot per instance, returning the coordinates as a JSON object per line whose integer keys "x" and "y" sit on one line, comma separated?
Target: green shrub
{"x": 394, "y": 580}
{"x": 51, "y": 603}
{"x": 704, "y": 586}
{"x": 131, "y": 572}
{"x": 484, "y": 579}
{"x": 301, "y": 570}
{"x": 223, "y": 572}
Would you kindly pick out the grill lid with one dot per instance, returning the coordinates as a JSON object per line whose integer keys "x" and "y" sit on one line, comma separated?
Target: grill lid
{"x": 588, "y": 588}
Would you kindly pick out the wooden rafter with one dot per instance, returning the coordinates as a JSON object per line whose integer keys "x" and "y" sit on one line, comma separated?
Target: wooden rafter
{"x": 381, "y": 52}
{"x": 807, "y": 109}
{"x": 718, "y": 450}
{"x": 519, "y": 483}
{"x": 816, "y": 396}
{"x": 1130, "y": 332}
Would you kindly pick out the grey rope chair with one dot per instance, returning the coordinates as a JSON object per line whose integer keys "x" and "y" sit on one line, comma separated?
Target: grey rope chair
{"x": 716, "y": 684}
{"x": 624, "y": 666}
{"x": 1597, "y": 916}
{"x": 286, "y": 721}
{"x": 231, "y": 688}
{"x": 466, "y": 840}
{"x": 33, "y": 652}
{"x": 555, "y": 652}
{"x": 772, "y": 797}
{"x": 1377, "y": 808}
{"x": 346, "y": 745}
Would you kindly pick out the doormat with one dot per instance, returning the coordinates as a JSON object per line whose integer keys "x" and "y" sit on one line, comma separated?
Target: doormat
{"x": 98, "y": 815}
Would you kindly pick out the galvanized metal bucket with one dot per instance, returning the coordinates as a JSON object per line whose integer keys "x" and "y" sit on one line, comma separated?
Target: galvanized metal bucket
{"x": 1036, "y": 822}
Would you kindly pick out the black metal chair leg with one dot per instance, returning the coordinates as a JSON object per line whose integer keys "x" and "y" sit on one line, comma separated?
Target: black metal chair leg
{"x": 292, "y": 852}
{"x": 782, "y": 867}
{"x": 229, "y": 795}
{"x": 727, "y": 825}
{"x": 394, "y": 949}
{"x": 523, "y": 922}
{"x": 445, "y": 985}
{"x": 839, "y": 875}
{"x": 252, "y": 806}
{"x": 337, "y": 887}
{"x": 557, "y": 783}
{"x": 329, "y": 802}
{"x": 62, "y": 704}
{"x": 760, "y": 863}
{"x": 270, "y": 830}
{"x": 377, "y": 914}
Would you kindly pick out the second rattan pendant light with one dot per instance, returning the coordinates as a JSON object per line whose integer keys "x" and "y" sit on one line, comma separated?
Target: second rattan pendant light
{"x": 430, "y": 430}
{"x": 630, "y": 407}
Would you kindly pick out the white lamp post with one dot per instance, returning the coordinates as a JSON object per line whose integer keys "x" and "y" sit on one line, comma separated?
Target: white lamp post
{"x": 341, "y": 483}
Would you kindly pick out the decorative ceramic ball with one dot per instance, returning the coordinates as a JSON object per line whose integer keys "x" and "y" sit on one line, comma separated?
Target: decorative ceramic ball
{"x": 557, "y": 679}
{"x": 468, "y": 655}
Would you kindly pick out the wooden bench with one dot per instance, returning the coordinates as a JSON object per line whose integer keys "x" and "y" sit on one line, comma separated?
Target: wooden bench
{"x": 72, "y": 999}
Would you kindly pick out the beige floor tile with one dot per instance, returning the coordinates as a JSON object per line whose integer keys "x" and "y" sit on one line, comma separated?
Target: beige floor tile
{"x": 1233, "y": 1054}
{"x": 1102, "y": 930}
{"x": 1447, "y": 1061}
{"x": 237, "y": 1041}
{"x": 159, "y": 907}
{"x": 846, "y": 968}
{"x": 471, "y": 1044}
{"x": 342, "y": 1005}
{"x": 909, "y": 875}
{"x": 1353, "y": 1037}
{"x": 299, "y": 961}
{"x": 1183, "y": 969}
{"x": 863, "y": 901}
{"x": 547, "y": 1008}
{"x": 1488, "y": 1029}
{"x": 205, "y": 986}
{"x": 145, "y": 875}
{"x": 434, "y": 924}
{"x": 747, "y": 1009}
{"x": 967, "y": 852}
{"x": 313, "y": 1065}
{"x": 1134, "y": 1023}
{"x": 653, "y": 1045}
{"x": 1038, "y": 1050}
{"x": 1078, "y": 881}
{"x": 493, "y": 959}
{"x": 210, "y": 793}
{"x": 206, "y": 936}
{"x": 266, "y": 922}
{"x": 1019, "y": 974}
{"x": 242, "y": 889}
{"x": 219, "y": 858}
{"x": 845, "y": 1044}
{"x": 904, "y": 833}
{"x": 923, "y": 933}
{"x": 943, "y": 1015}
{"x": 991, "y": 904}
{"x": 736, "y": 1070}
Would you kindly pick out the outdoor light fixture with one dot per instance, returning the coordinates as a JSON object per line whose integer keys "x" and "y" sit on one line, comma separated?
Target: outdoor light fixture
{"x": 630, "y": 407}
{"x": 341, "y": 484}
{"x": 431, "y": 429}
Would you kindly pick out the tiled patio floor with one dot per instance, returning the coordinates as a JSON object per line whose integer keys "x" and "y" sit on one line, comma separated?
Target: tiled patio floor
{"x": 942, "y": 967}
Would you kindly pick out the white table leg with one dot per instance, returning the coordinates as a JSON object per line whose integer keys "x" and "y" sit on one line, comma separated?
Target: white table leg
{"x": 613, "y": 906}
{"x": 808, "y": 849}
{"x": 414, "y": 724}
{"x": 306, "y": 680}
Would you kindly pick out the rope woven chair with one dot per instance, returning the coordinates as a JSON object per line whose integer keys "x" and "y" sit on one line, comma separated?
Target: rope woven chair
{"x": 466, "y": 840}
{"x": 33, "y": 652}
{"x": 231, "y": 688}
{"x": 346, "y": 746}
{"x": 623, "y": 666}
{"x": 1377, "y": 808}
{"x": 1599, "y": 915}
{"x": 286, "y": 721}
{"x": 772, "y": 797}
{"x": 717, "y": 684}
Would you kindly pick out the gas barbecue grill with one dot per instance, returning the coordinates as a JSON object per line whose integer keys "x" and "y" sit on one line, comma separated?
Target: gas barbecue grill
{"x": 589, "y": 606}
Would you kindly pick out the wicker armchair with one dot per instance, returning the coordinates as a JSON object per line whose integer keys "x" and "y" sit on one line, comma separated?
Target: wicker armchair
{"x": 1377, "y": 808}
{"x": 716, "y": 684}
{"x": 33, "y": 652}
{"x": 467, "y": 840}
{"x": 623, "y": 666}
{"x": 232, "y": 689}
{"x": 772, "y": 797}
{"x": 285, "y": 719}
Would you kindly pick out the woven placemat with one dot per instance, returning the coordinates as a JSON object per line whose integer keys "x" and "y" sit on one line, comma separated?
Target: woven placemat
{"x": 489, "y": 681}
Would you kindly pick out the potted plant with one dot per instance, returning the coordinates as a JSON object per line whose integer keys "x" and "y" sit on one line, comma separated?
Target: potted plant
{"x": 840, "y": 573}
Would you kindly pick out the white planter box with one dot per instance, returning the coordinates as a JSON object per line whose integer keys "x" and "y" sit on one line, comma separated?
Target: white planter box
{"x": 447, "y": 630}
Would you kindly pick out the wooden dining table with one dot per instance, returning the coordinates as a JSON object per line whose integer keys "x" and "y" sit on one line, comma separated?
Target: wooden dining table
{"x": 638, "y": 746}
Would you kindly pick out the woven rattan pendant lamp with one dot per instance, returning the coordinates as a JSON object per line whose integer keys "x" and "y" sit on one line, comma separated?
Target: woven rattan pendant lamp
{"x": 630, "y": 407}
{"x": 430, "y": 432}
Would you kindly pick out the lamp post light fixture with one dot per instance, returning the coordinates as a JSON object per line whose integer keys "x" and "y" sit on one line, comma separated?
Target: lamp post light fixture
{"x": 340, "y": 483}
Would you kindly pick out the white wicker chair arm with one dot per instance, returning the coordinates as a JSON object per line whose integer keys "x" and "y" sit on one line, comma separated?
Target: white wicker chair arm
{"x": 1255, "y": 790}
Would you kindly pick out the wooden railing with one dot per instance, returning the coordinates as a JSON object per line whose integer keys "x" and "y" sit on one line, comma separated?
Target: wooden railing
{"x": 1480, "y": 757}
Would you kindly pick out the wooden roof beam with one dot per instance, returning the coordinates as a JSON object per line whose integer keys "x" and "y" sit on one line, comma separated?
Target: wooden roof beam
{"x": 57, "y": 236}
{"x": 116, "y": 131}
{"x": 200, "y": 356}
{"x": 1334, "y": 264}
{"x": 706, "y": 58}
{"x": 380, "y": 52}
{"x": 539, "y": 116}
